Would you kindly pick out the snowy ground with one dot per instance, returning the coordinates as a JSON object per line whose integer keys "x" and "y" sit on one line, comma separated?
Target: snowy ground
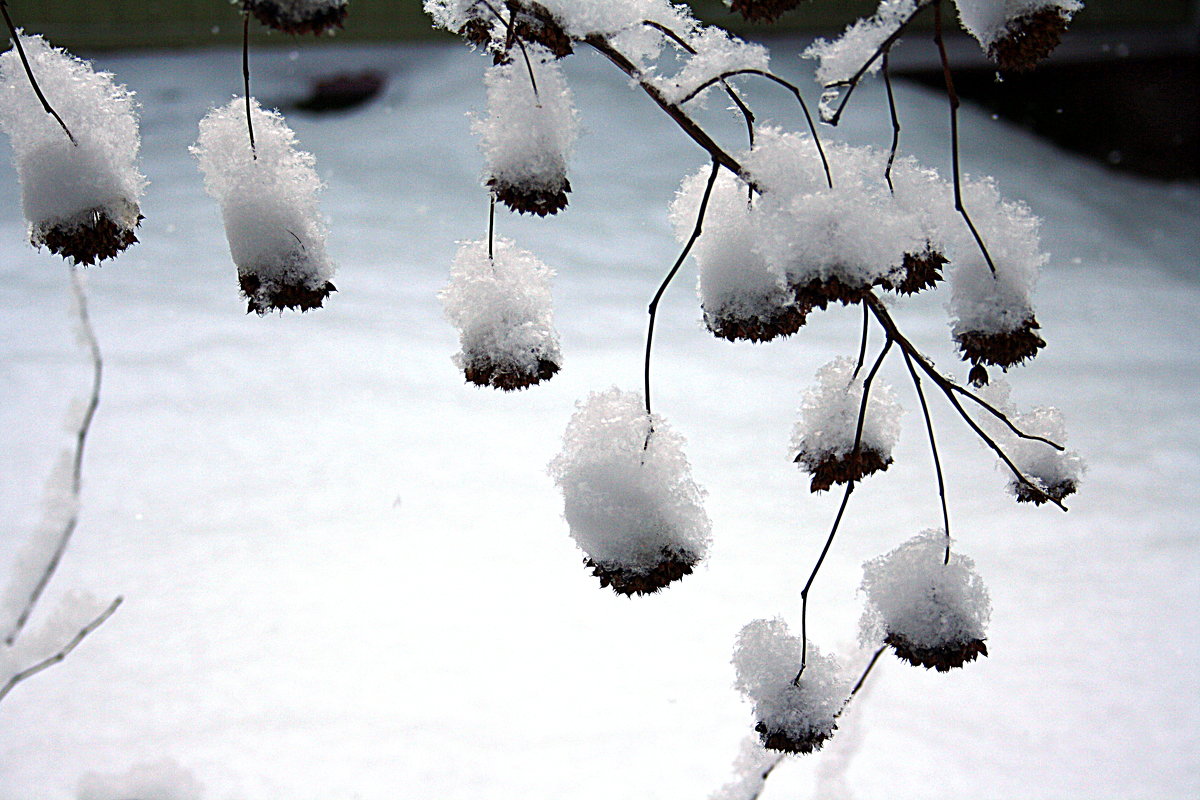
{"x": 346, "y": 572}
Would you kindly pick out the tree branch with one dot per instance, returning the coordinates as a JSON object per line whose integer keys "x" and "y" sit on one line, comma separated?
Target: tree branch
{"x": 16, "y": 40}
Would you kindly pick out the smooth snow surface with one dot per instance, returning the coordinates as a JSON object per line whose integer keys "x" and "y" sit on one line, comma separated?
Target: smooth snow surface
{"x": 347, "y": 574}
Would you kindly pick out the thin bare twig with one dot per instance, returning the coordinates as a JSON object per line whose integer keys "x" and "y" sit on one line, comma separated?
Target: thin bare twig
{"x": 246, "y": 79}
{"x": 687, "y": 248}
{"x": 863, "y": 678}
{"x": 887, "y": 82}
{"x": 81, "y": 435}
{"x": 491, "y": 223}
{"x": 862, "y": 347}
{"x": 837, "y": 521}
{"x": 937, "y": 461}
{"x": 16, "y": 40}
{"x": 64, "y": 652}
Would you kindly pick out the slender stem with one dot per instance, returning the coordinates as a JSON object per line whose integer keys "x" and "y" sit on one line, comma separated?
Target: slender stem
{"x": 246, "y": 78}
{"x": 952, "y": 95}
{"x": 491, "y": 224}
{"x": 837, "y": 521}
{"x": 64, "y": 652}
{"x": 746, "y": 113}
{"x": 862, "y": 347}
{"x": 887, "y": 82}
{"x": 937, "y": 461}
{"x": 793, "y": 88}
{"x": 81, "y": 435}
{"x": 687, "y": 248}
{"x": 863, "y": 678}
{"x": 951, "y": 390}
{"x": 16, "y": 40}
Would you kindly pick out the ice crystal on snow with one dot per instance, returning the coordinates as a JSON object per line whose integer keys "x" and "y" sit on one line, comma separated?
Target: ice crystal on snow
{"x": 268, "y": 199}
{"x": 628, "y": 494}
{"x": 793, "y": 718}
{"x": 933, "y": 614}
{"x": 81, "y": 200}
{"x": 501, "y": 306}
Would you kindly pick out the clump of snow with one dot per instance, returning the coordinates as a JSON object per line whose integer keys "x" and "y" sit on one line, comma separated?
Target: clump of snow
{"x": 991, "y": 20}
{"x": 717, "y": 53}
{"x": 629, "y": 498}
{"x": 268, "y": 199}
{"x": 750, "y": 769}
{"x": 792, "y": 717}
{"x": 80, "y": 199}
{"x": 502, "y": 308}
{"x": 297, "y": 16}
{"x": 528, "y": 134}
{"x": 156, "y": 780}
{"x": 841, "y": 59}
{"x": 823, "y": 439}
{"x": 932, "y": 613}
{"x": 1054, "y": 473}
{"x": 742, "y": 296}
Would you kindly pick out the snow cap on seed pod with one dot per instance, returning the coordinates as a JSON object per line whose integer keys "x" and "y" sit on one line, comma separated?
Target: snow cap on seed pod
{"x": 527, "y": 135}
{"x": 80, "y": 198}
{"x": 1017, "y": 34}
{"x": 742, "y": 296}
{"x": 1054, "y": 474}
{"x": 833, "y": 244}
{"x": 502, "y": 308}
{"x": 994, "y": 322}
{"x": 823, "y": 439}
{"x": 628, "y": 494}
{"x": 762, "y": 10}
{"x": 933, "y": 614}
{"x": 791, "y": 717}
{"x": 297, "y": 16}
{"x": 268, "y": 199}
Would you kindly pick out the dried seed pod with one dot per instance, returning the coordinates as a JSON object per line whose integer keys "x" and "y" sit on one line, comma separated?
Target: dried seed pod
{"x": 1029, "y": 39}
{"x": 1002, "y": 349}
{"x": 921, "y": 271}
{"x": 762, "y": 10}
{"x": 298, "y": 17}
{"x": 671, "y": 565}
{"x": 533, "y": 22}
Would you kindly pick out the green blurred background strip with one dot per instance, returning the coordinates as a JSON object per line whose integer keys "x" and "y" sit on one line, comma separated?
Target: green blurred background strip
{"x": 106, "y": 24}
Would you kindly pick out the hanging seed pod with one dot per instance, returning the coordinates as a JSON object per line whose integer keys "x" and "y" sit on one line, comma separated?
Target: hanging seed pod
{"x": 628, "y": 495}
{"x": 791, "y": 717}
{"x": 268, "y": 199}
{"x": 80, "y": 197}
{"x": 762, "y": 10}
{"x": 1017, "y": 35}
{"x": 933, "y": 614}
{"x": 298, "y": 17}
{"x": 921, "y": 271}
{"x": 1002, "y": 349}
{"x": 533, "y": 22}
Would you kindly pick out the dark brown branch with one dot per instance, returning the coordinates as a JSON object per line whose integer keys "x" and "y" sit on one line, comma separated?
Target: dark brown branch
{"x": 246, "y": 78}
{"x": 837, "y": 521}
{"x": 58, "y": 657}
{"x": 863, "y": 679}
{"x": 937, "y": 461}
{"x": 887, "y": 82}
{"x": 793, "y": 88}
{"x": 951, "y": 389}
{"x": 81, "y": 434}
{"x": 16, "y": 40}
{"x": 687, "y": 248}
{"x": 952, "y": 96}
{"x": 862, "y": 347}
{"x": 491, "y": 223}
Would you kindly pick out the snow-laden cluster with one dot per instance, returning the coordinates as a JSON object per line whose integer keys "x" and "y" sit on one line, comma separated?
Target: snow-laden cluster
{"x": 792, "y": 718}
{"x": 629, "y": 498}
{"x": 155, "y": 780}
{"x": 993, "y": 318}
{"x": 858, "y": 46}
{"x": 297, "y": 16}
{"x": 750, "y": 770}
{"x": 934, "y": 614}
{"x": 1017, "y": 34}
{"x": 268, "y": 199}
{"x": 716, "y": 53}
{"x": 80, "y": 198}
{"x": 823, "y": 439}
{"x": 528, "y": 134}
{"x": 1054, "y": 474}
{"x": 502, "y": 308}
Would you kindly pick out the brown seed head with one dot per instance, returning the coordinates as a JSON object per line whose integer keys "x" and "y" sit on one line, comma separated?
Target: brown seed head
{"x": 943, "y": 658}
{"x": 672, "y": 565}
{"x": 783, "y": 322}
{"x": 482, "y": 369}
{"x": 1002, "y": 350}
{"x": 827, "y": 469}
{"x": 784, "y": 742}
{"x": 1029, "y": 40}
{"x": 90, "y": 241}
{"x": 541, "y": 200}
{"x": 297, "y": 294}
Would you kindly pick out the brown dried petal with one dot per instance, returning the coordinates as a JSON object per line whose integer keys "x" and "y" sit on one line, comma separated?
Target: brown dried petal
{"x": 1029, "y": 40}
{"x": 1002, "y": 350}
{"x": 784, "y": 742}
{"x": 943, "y": 658}
{"x": 762, "y": 10}
{"x": 96, "y": 238}
{"x": 829, "y": 469}
{"x": 673, "y": 565}
{"x": 526, "y": 200}
{"x": 298, "y": 294}
{"x": 483, "y": 370}
{"x": 275, "y": 15}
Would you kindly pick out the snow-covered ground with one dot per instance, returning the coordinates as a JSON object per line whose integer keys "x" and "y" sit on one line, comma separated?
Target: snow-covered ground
{"x": 346, "y": 572}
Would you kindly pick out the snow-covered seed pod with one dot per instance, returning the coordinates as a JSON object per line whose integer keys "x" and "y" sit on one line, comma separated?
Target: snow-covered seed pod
{"x": 80, "y": 198}
{"x": 741, "y": 295}
{"x": 527, "y": 134}
{"x": 1017, "y": 34}
{"x": 297, "y": 17}
{"x": 628, "y": 495}
{"x": 933, "y": 614}
{"x": 762, "y": 10}
{"x": 534, "y": 23}
{"x": 920, "y": 271}
{"x": 1052, "y": 474}
{"x": 791, "y": 717}
{"x": 268, "y": 199}
{"x": 823, "y": 439}
{"x": 501, "y": 306}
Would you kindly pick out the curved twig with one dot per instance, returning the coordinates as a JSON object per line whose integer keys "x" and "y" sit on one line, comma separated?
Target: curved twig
{"x": 937, "y": 461}
{"x": 246, "y": 78}
{"x": 16, "y": 40}
{"x": 891, "y": 98}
